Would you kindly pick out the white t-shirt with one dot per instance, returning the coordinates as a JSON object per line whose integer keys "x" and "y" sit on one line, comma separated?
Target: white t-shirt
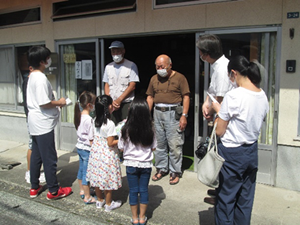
{"x": 39, "y": 92}
{"x": 245, "y": 110}
{"x": 106, "y": 130}
{"x": 85, "y": 132}
{"x": 219, "y": 84}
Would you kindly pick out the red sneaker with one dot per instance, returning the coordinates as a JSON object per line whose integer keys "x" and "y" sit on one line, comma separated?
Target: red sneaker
{"x": 61, "y": 192}
{"x": 35, "y": 192}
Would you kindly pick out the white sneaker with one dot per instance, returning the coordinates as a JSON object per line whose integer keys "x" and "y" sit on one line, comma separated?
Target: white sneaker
{"x": 42, "y": 178}
{"x": 100, "y": 204}
{"x": 27, "y": 176}
{"x": 113, "y": 205}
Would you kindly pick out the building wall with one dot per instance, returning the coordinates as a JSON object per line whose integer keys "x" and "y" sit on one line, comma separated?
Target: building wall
{"x": 288, "y": 152}
{"x": 288, "y": 165}
{"x": 13, "y": 127}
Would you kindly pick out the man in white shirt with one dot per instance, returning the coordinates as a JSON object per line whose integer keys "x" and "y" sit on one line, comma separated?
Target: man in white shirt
{"x": 120, "y": 78}
{"x": 210, "y": 50}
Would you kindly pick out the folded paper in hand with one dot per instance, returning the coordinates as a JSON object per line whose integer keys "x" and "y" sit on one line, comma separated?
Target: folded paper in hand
{"x": 68, "y": 101}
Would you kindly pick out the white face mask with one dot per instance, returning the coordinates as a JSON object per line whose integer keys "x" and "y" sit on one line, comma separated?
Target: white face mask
{"x": 93, "y": 108}
{"x": 49, "y": 61}
{"x": 162, "y": 72}
{"x": 117, "y": 58}
{"x": 233, "y": 83}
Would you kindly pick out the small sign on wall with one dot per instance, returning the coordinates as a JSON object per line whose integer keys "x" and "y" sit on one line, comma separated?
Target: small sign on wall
{"x": 78, "y": 69}
{"x": 69, "y": 58}
{"x": 87, "y": 69}
{"x": 293, "y": 15}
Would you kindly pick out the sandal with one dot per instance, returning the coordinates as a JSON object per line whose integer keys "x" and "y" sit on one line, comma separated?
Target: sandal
{"x": 145, "y": 221}
{"x": 173, "y": 177}
{"x": 81, "y": 193}
{"x": 161, "y": 173}
{"x": 135, "y": 221}
{"x": 91, "y": 200}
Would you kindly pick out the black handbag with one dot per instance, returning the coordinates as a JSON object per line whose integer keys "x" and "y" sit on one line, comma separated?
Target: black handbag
{"x": 201, "y": 150}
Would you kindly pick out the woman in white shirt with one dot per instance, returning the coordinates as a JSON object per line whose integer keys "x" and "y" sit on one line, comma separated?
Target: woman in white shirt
{"x": 238, "y": 124}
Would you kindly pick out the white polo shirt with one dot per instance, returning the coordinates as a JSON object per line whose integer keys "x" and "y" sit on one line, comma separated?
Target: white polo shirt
{"x": 39, "y": 92}
{"x": 219, "y": 84}
{"x": 245, "y": 110}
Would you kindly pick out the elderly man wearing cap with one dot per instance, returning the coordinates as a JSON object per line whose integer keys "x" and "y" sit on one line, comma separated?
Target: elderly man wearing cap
{"x": 169, "y": 91}
{"x": 120, "y": 77}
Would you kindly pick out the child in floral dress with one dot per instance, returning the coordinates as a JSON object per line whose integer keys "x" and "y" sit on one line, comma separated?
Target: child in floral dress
{"x": 104, "y": 172}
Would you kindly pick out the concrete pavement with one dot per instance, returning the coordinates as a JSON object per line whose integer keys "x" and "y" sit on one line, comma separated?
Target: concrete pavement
{"x": 179, "y": 204}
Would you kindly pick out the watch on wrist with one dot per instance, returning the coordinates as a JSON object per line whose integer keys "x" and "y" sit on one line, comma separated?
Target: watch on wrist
{"x": 183, "y": 114}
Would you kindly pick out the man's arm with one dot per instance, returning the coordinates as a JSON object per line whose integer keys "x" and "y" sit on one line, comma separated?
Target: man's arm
{"x": 106, "y": 89}
{"x": 150, "y": 102}
{"x": 61, "y": 102}
{"x": 207, "y": 110}
{"x": 185, "y": 110}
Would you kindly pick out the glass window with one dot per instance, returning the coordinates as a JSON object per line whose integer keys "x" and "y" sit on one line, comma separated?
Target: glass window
{"x": 79, "y": 8}
{"x": 7, "y": 77}
{"x": 78, "y": 73}
{"x": 173, "y": 3}
{"x": 20, "y": 17}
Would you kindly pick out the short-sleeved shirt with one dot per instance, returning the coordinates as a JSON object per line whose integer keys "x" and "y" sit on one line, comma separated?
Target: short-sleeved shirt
{"x": 169, "y": 90}
{"x": 39, "y": 92}
{"x": 245, "y": 110}
{"x": 219, "y": 84}
{"x": 106, "y": 130}
{"x": 127, "y": 65}
{"x": 85, "y": 132}
{"x": 136, "y": 152}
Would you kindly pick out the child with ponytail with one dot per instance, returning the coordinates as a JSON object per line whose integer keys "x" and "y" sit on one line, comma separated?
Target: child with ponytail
{"x": 85, "y": 135}
{"x": 104, "y": 172}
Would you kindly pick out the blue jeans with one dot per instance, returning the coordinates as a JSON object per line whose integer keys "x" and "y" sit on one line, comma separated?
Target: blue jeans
{"x": 83, "y": 165}
{"x": 168, "y": 153}
{"x": 237, "y": 177}
{"x": 43, "y": 151}
{"x": 138, "y": 181}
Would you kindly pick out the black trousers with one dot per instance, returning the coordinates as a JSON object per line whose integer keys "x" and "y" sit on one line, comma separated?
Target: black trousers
{"x": 44, "y": 152}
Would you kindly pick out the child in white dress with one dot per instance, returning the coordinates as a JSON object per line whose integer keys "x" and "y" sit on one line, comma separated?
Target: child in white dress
{"x": 104, "y": 172}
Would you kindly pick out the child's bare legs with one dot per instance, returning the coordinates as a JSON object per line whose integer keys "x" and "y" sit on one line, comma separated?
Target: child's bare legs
{"x": 143, "y": 209}
{"x": 134, "y": 212}
{"x": 100, "y": 198}
{"x": 28, "y": 159}
{"x": 81, "y": 188}
{"x": 99, "y": 194}
{"x": 108, "y": 196}
{"x": 86, "y": 190}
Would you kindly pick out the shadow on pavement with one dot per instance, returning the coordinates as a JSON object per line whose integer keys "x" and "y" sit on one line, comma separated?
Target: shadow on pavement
{"x": 156, "y": 195}
{"x": 205, "y": 216}
{"x": 67, "y": 172}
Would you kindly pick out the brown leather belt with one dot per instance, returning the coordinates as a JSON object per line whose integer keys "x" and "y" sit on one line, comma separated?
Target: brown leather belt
{"x": 165, "y": 109}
